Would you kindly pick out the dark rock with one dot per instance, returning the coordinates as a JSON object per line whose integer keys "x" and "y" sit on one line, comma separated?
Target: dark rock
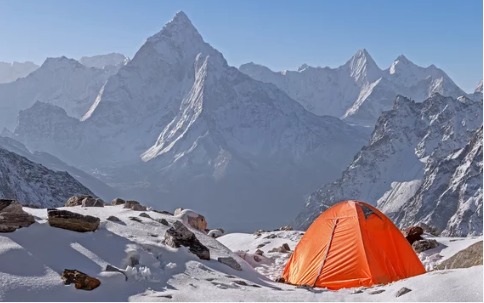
{"x": 76, "y": 200}
{"x": 240, "y": 282}
{"x": 118, "y": 201}
{"x": 115, "y": 269}
{"x": 229, "y": 261}
{"x": 114, "y": 219}
{"x": 284, "y": 248}
{"x": 12, "y": 216}
{"x": 179, "y": 235}
{"x": 375, "y": 292}
{"x": 271, "y": 236}
{"x": 92, "y": 202}
{"x": 423, "y": 245}
{"x": 138, "y": 207}
{"x": 259, "y": 252}
{"x": 413, "y": 234}
{"x": 402, "y": 291}
{"x": 280, "y": 280}
{"x": 471, "y": 256}
{"x": 162, "y": 221}
{"x": 72, "y": 221}
{"x": 145, "y": 215}
{"x": 80, "y": 279}
{"x": 136, "y": 219}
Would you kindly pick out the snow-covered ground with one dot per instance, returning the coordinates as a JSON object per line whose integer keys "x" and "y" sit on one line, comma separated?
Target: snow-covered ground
{"x": 32, "y": 259}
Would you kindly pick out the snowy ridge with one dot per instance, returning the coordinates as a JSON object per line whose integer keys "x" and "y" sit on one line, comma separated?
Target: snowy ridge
{"x": 108, "y": 61}
{"x": 32, "y": 183}
{"x": 401, "y": 159}
{"x": 358, "y": 91}
{"x": 59, "y": 81}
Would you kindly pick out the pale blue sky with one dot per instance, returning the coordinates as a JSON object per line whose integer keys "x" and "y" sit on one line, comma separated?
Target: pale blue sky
{"x": 278, "y": 34}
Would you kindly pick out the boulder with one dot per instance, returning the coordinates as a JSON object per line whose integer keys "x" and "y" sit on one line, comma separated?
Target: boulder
{"x": 145, "y": 215}
{"x": 80, "y": 279}
{"x": 118, "y": 201}
{"x": 72, "y": 221}
{"x": 12, "y": 216}
{"x": 180, "y": 235}
{"x": 162, "y": 221}
{"x": 134, "y": 205}
{"x": 75, "y": 200}
{"x": 413, "y": 234}
{"x": 423, "y": 245}
{"x": 402, "y": 291}
{"x": 114, "y": 219}
{"x": 192, "y": 219}
{"x": 284, "y": 248}
{"x": 259, "y": 252}
{"x": 92, "y": 202}
{"x": 471, "y": 256}
{"x": 230, "y": 262}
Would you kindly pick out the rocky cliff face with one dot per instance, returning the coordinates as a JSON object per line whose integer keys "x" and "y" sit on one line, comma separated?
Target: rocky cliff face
{"x": 397, "y": 169}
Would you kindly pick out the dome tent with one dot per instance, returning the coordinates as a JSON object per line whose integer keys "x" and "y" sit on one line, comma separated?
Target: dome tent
{"x": 351, "y": 244}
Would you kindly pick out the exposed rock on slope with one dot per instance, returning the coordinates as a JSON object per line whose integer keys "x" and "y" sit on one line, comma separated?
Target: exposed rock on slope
{"x": 422, "y": 163}
{"x": 32, "y": 183}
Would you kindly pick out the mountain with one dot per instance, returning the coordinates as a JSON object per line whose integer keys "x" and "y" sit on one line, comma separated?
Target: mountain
{"x": 358, "y": 91}
{"x": 34, "y": 184}
{"x": 177, "y": 126}
{"x": 412, "y": 168}
{"x": 107, "y": 61}
{"x": 60, "y": 81}
{"x": 10, "y": 72}
{"x": 98, "y": 187}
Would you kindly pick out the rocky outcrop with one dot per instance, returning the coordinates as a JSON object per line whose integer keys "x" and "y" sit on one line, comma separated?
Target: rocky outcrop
{"x": 118, "y": 201}
{"x": 12, "y": 216}
{"x": 192, "y": 219}
{"x": 72, "y": 221}
{"x": 471, "y": 256}
{"x": 92, "y": 202}
{"x": 134, "y": 205}
{"x": 80, "y": 279}
{"x": 180, "y": 235}
{"x": 424, "y": 244}
{"x": 230, "y": 262}
{"x": 284, "y": 248}
{"x": 84, "y": 201}
{"x": 413, "y": 234}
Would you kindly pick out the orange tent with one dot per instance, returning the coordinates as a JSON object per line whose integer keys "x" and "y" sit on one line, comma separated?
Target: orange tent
{"x": 351, "y": 244}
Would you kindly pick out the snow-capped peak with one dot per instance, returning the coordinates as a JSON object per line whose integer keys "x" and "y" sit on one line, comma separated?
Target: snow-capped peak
{"x": 179, "y": 30}
{"x": 363, "y": 68}
{"x": 479, "y": 87}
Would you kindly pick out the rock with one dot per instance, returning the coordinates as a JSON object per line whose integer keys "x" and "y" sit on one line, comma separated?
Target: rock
{"x": 215, "y": 233}
{"x": 118, "y": 201}
{"x": 145, "y": 215}
{"x": 413, "y": 234}
{"x": 162, "y": 221}
{"x": 138, "y": 207}
{"x": 280, "y": 280}
{"x": 80, "y": 279}
{"x": 180, "y": 235}
{"x": 285, "y": 228}
{"x": 375, "y": 292}
{"x": 136, "y": 219}
{"x": 471, "y": 256}
{"x": 114, "y": 219}
{"x": 72, "y": 221}
{"x": 271, "y": 236}
{"x": 229, "y": 261}
{"x": 284, "y": 248}
{"x": 434, "y": 231}
{"x": 402, "y": 291}
{"x": 115, "y": 269}
{"x": 75, "y": 200}
{"x": 240, "y": 282}
{"x": 12, "y": 216}
{"x": 192, "y": 219}
{"x": 259, "y": 252}
{"x": 423, "y": 245}
{"x": 92, "y": 202}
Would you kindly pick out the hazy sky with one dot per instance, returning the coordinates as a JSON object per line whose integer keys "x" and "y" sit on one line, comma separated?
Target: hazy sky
{"x": 278, "y": 34}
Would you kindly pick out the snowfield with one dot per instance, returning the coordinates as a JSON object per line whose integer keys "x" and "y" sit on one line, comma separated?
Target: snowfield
{"x": 33, "y": 258}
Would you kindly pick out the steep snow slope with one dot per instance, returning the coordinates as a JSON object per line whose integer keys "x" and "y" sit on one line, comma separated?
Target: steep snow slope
{"x": 10, "y": 72}
{"x": 60, "y": 81}
{"x": 177, "y": 117}
{"x": 359, "y": 90}
{"x": 32, "y": 183}
{"x": 98, "y": 187}
{"x": 403, "y": 155}
{"x": 30, "y": 266}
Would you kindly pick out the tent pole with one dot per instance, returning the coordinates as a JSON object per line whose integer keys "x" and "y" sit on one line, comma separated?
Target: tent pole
{"x": 326, "y": 252}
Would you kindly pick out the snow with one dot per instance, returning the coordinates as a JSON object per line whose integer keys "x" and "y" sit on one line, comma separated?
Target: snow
{"x": 32, "y": 258}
